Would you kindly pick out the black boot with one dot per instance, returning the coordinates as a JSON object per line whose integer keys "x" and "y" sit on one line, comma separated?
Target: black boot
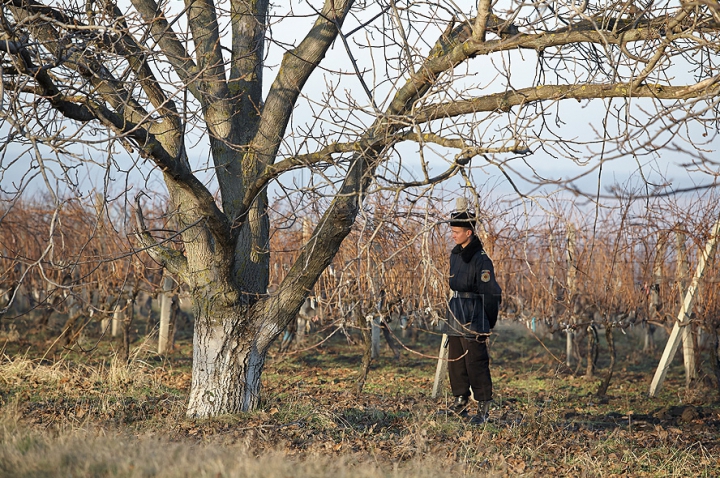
{"x": 482, "y": 414}
{"x": 460, "y": 406}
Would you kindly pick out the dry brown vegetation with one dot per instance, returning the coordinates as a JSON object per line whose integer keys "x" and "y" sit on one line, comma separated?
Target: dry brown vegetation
{"x": 78, "y": 407}
{"x": 101, "y": 418}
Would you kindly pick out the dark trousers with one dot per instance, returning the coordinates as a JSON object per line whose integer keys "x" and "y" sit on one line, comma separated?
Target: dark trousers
{"x": 470, "y": 371}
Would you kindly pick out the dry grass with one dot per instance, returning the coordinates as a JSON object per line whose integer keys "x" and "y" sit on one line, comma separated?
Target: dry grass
{"x": 84, "y": 453}
{"x": 106, "y": 419}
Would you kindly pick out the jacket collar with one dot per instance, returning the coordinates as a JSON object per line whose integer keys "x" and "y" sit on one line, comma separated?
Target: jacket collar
{"x": 467, "y": 252}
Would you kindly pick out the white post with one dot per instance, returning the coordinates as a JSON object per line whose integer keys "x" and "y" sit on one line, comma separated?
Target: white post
{"x": 441, "y": 368}
{"x": 105, "y": 325}
{"x": 568, "y": 346}
{"x": 684, "y": 313}
{"x": 375, "y": 337}
{"x": 165, "y": 306}
{"x": 300, "y": 329}
{"x": 571, "y": 265}
{"x": 117, "y": 320}
{"x": 688, "y": 353}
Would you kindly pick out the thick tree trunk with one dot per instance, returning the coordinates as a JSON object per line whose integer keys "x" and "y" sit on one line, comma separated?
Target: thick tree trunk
{"x": 228, "y": 359}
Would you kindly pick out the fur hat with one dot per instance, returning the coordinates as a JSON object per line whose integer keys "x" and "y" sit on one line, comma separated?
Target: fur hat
{"x": 462, "y": 219}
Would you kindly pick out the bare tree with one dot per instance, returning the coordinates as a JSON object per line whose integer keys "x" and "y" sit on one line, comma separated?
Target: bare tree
{"x": 157, "y": 78}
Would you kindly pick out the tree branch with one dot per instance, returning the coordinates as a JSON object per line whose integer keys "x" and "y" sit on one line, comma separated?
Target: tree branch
{"x": 136, "y": 58}
{"x": 169, "y": 258}
{"x": 505, "y": 101}
{"x": 448, "y": 173}
{"x": 170, "y": 44}
{"x": 484, "y": 11}
{"x": 203, "y": 23}
{"x": 174, "y": 169}
{"x": 84, "y": 63}
{"x": 296, "y": 67}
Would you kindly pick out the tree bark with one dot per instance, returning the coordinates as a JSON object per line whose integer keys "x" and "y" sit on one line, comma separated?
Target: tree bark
{"x": 591, "y": 348}
{"x": 649, "y": 339}
{"x": 602, "y": 391}
{"x": 164, "y": 334}
{"x": 715, "y": 352}
{"x": 128, "y": 317}
{"x": 227, "y": 365}
{"x": 367, "y": 357}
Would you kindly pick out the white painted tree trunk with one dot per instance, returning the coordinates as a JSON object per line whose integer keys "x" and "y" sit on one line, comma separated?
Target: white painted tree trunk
{"x": 164, "y": 339}
{"x": 301, "y": 328}
{"x": 570, "y": 260}
{"x": 226, "y": 369}
{"x": 659, "y": 262}
{"x": 571, "y": 264}
{"x": 654, "y": 304}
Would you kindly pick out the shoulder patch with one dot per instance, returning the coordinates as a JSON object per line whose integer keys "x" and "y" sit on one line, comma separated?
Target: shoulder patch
{"x": 485, "y": 275}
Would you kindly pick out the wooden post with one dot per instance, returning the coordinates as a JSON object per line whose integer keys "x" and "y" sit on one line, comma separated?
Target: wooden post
{"x": 375, "y": 336}
{"x": 684, "y": 314}
{"x": 117, "y": 320}
{"x": 686, "y": 335}
{"x": 165, "y": 313}
{"x": 571, "y": 265}
{"x": 104, "y": 325}
{"x": 568, "y": 346}
{"x": 441, "y": 368}
{"x": 681, "y": 274}
{"x": 570, "y": 261}
{"x": 654, "y": 304}
{"x": 658, "y": 263}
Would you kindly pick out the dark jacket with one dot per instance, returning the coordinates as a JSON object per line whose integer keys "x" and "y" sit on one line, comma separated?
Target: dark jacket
{"x": 472, "y": 275}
